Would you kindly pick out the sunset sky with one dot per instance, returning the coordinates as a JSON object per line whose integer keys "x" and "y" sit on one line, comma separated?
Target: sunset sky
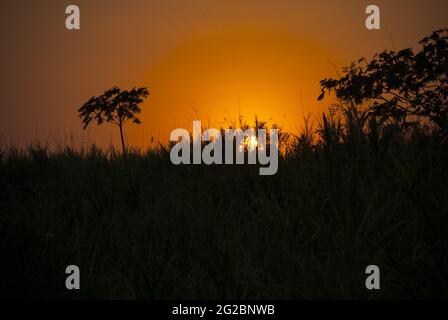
{"x": 212, "y": 59}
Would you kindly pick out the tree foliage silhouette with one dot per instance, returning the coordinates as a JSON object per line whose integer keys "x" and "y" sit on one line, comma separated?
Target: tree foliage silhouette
{"x": 115, "y": 106}
{"x": 397, "y": 85}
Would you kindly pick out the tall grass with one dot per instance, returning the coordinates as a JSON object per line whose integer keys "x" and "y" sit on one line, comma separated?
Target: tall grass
{"x": 354, "y": 194}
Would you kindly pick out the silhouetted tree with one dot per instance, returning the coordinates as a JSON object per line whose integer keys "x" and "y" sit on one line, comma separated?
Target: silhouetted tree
{"x": 115, "y": 106}
{"x": 396, "y": 85}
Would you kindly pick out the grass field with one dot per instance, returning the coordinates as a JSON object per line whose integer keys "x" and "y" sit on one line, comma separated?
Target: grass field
{"x": 351, "y": 198}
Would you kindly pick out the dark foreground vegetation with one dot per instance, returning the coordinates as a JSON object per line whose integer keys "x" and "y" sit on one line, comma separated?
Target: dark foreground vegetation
{"x": 367, "y": 186}
{"x": 360, "y": 195}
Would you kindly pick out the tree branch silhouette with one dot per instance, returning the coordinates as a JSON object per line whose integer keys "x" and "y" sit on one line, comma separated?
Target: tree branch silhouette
{"x": 115, "y": 106}
{"x": 400, "y": 84}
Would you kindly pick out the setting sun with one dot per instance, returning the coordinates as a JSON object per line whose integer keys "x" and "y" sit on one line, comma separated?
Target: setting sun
{"x": 250, "y": 143}
{"x": 239, "y": 72}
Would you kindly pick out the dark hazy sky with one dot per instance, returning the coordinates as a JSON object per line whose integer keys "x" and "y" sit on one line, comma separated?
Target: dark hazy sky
{"x": 215, "y": 58}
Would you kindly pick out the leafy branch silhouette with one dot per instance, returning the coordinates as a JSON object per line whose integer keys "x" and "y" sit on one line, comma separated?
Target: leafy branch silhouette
{"x": 399, "y": 84}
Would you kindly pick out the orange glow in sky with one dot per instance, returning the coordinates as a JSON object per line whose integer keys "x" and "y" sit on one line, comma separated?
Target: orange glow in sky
{"x": 201, "y": 60}
{"x": 247, "y": 72}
